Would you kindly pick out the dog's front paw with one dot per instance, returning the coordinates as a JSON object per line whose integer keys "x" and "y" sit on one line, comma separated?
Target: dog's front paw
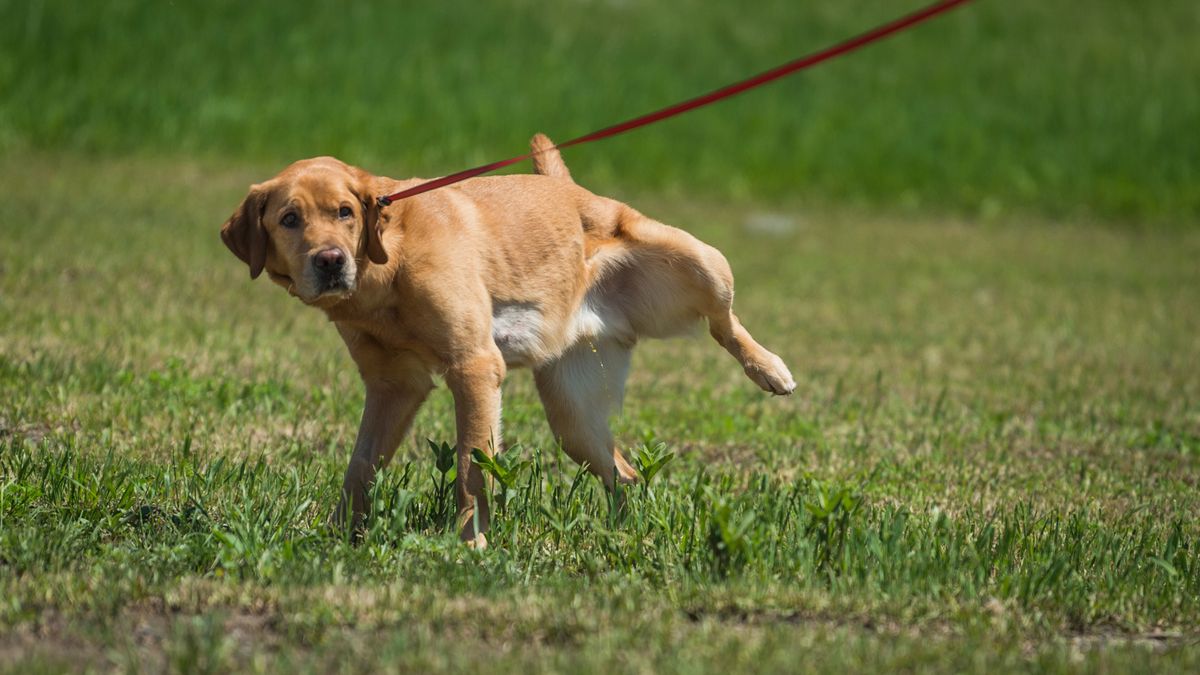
{"x": 352, "y": 526}
{"x": 770, "y": 373}
{"x": 467, "y": 532}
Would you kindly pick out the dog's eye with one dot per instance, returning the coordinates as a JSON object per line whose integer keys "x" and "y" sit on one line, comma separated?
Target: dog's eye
{"x": 345, "y": 212}
{"x": 290, "y": 220}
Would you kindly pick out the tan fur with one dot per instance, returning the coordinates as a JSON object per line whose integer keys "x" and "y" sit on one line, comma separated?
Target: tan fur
{"x": 546, "y": 158}
{"x": 469, "y": 280}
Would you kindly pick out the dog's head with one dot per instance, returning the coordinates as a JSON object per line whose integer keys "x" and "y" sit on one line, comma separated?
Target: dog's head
{"x": 312, "y": 228}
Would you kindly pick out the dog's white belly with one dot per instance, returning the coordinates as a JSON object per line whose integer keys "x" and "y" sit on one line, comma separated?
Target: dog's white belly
{"x": 597, "y": 318}
{"x": 525, "y": 337}
{"x": 518, "y": 330}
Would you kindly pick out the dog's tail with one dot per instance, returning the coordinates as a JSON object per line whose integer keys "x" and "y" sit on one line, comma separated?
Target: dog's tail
{"x": 547, "y": 161}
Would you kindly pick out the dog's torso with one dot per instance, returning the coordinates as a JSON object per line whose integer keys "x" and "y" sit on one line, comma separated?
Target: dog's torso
{"x": 508, "y": 258}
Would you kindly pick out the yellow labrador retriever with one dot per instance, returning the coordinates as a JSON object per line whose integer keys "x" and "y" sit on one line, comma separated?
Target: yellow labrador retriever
{"x": 472, "y": 279}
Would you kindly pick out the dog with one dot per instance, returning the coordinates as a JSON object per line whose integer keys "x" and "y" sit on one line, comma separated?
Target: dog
{"x": 472, "y": 279}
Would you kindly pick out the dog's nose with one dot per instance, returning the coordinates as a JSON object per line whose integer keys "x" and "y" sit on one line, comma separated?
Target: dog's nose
{"x": 330, "y": 260}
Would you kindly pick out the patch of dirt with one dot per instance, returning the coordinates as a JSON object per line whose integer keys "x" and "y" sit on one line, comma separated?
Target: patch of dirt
{"x": 49, "y": 640}
{"x": 146, "y": 637}
{"x": 1153, "y": 640}
{"x": 31, "y": 432}
{"x": 766, "y": 617}
{"x": 1093, "y": 638}
{"x": 728, "y": 453}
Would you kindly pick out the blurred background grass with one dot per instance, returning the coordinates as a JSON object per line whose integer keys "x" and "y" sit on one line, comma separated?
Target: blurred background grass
{"x": 1024, "y": 107}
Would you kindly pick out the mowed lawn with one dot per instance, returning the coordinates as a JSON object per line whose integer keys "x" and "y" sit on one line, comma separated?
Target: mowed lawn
{"x": 975, "y": 244}
{"x": 990, "y": 461}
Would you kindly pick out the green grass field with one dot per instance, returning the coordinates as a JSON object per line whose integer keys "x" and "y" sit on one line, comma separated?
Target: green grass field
{"x": 1016, "y": 107}
{"x": 975, "y": 245}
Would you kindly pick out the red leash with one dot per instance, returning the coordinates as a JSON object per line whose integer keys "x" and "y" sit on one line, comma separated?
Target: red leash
{"x": 799, "y": 64}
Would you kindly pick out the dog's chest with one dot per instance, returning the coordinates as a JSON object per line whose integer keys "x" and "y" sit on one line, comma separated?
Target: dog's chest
{"x": 387, "y": 329}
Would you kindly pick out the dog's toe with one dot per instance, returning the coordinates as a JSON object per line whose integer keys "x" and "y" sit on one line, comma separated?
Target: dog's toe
{"x": 772, "y": 375}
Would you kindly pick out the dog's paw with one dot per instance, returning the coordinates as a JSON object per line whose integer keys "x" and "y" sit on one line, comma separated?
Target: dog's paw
{"x": 348, "y": 526}
{"x": 770, "y": 373}
{"x": 466, "y": 530}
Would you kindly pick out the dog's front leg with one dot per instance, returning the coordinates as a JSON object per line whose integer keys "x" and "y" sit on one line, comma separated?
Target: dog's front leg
{"x": 387, "y": 415}
{"x": 475, "y": 383}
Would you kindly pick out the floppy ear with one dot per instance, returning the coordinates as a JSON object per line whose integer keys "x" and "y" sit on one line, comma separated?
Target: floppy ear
{"x": 244, "y": 233}
{"x": 371, "y": 229}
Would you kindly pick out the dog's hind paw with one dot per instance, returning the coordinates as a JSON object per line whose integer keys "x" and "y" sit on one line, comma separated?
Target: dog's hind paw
{"x": 770, "y": 373}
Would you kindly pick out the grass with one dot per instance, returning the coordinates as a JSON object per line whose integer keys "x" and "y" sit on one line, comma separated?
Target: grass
{"x": 999, "y": 110}
{"x": 975, "y": 245}
{"x": 990, "y": 462}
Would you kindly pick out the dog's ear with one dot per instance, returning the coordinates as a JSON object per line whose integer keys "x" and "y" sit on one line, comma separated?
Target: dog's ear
{"x": 244, "y": 233}
{"x": 372, "y": 236}
{"x": 376, "y": 253}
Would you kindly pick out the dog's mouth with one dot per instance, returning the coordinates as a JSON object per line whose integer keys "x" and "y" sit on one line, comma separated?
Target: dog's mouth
{"x": 331, "y": 290}
{"x": 323, "y": 291}
{"x": 337, "y": 286}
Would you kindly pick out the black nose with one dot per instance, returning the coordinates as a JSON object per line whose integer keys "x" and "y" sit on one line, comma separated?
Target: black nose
{"x": 330, "y": 260}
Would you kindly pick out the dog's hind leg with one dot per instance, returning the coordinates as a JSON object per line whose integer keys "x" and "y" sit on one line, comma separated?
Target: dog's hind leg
{"x": 761, "y": 365}
{"x": 580, "y": 391}
{"x": 674, "y": 279}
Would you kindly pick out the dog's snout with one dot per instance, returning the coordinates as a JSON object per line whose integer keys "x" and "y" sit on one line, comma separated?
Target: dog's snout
{"x": 330, "y": 260}
{"x": 331, "y": 269}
